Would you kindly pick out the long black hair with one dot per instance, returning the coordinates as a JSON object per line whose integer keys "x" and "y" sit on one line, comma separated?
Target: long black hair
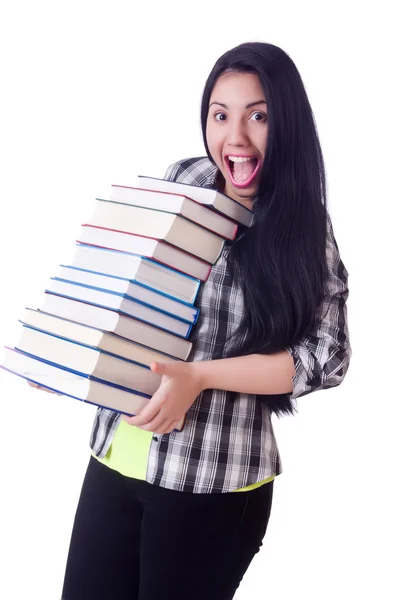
{"x": 279, "y": 261}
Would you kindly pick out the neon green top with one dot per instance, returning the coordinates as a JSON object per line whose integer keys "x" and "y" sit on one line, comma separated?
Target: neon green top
{"x": 131, "y": 441}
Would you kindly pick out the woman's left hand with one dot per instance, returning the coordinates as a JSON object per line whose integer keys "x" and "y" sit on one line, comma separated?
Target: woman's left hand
{"x": 179, "y": 388}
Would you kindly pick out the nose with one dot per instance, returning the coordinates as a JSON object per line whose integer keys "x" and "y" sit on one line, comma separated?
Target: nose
{"x": 237, "y": 134}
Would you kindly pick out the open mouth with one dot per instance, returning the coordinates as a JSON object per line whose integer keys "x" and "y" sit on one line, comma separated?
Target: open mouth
{"x": 242, "y": 169}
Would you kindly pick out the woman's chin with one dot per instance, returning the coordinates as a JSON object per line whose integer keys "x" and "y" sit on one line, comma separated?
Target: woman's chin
{"x": 240, "y": 192}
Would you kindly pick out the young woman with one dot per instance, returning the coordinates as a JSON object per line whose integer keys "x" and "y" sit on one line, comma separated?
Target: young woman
{"x": 166, "y": 514}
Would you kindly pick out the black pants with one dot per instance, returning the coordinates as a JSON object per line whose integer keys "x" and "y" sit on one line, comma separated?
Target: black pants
{"x": 135, "y": 541}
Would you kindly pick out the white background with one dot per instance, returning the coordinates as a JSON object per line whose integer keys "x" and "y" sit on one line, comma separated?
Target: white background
{"x": 96, "y": 92}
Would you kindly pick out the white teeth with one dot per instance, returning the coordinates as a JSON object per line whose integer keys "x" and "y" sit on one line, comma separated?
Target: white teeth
{"x": 241, "y": 158}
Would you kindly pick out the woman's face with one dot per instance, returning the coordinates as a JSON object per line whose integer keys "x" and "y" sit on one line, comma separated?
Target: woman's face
{"x": 237, "y": 133}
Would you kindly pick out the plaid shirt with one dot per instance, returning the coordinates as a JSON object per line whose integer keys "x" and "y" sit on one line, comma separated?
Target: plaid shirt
{"x": 228, "y": 441}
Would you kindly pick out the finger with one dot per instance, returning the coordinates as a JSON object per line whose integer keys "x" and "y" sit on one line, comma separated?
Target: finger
{"x": 127, "y": 419}
{"x": 155, "y": 423}
{"x": 163, "y": 369}
{"x": 140, "y": 420}
{"x": 42, "y": 388}
{"x": 159, "y": 429}
{"x": 169, "y": 427}
{"x": 165, "y": 427}
{"x": 146, "y": 415}
{"x": 174, "y": 425}
{"x": 33, "y": 385}
{"x": 158, "y": 367}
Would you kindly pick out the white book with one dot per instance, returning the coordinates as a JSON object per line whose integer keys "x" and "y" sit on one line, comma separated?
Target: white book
{"x": 133, "y": 291}
{"x": 90, "y": 362}
{"x": 177, "y": 204}
{"x": 74, "y": 385}
{"x": 113, "y": 322}
{"x": 90, "y": 336}
{"x": 144, "y": 246}
{"x": 160, "y": 225}
{"x": 121, "y": 304}
{"x": 136, "y": 268}
{"x": 224, "y": 204}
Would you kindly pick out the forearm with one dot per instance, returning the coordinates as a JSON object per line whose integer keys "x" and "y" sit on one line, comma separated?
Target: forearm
{"x": 253, "y": 374}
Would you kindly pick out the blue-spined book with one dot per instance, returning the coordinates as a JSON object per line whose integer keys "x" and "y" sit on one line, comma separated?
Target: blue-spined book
{"x": 121, "y": 304}
{"x": 73, "y": 385}
{"x": 131, "y": 291}
{"x": 139, "y": 269}
{"x": 157, "y": 250}
{"x": 112, "y": 321}
{"x": 88, "y": 362}
{"x": 95, "y": 338}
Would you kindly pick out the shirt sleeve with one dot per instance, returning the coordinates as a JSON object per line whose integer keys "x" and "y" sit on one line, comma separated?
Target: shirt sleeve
{"x": 173, "y": 171}
{"x": 170, "y": 172}
{"x": 322, "y": 359}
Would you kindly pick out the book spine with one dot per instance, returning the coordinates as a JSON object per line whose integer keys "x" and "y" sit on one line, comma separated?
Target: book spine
{"x": 213, "y": 231}
{"x": 179, "y": 213}
{"x": 81, "y": 374}
{"x": 111, "y": 333}
{"x": 220, "y": 253}
{"x": 148, "y": 287}
{"x": 119, "y": 311}
{"x": 195, "y": 310}
{"x": 178, "y": 335}
{"x": 244, "y": 215}
{"x": 144, "y": 259}
{"x": 164, "y": 264}
{"x": 135, "y": 235}
{"x": 171, "y": 268}
{"x": 78, "y": 342}
{"x": 207, "y": 274}
{"x": 58, "y": 391}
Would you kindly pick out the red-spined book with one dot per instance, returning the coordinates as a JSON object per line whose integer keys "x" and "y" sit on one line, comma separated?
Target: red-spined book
{"x": 179, "y": 205}
{"x": 159, "y": 224}
{"x": 208, "y": 197}
{"x": 143, "y": 246}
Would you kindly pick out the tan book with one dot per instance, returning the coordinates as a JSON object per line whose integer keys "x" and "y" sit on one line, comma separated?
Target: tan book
{"x": 74, "y": 385}
{"x": 138, "y": 269}
{"x": 207, "y": 196}
{"x": 113, "y": 322}
{"x": 88, "y": 361}
{"x": 164, "y": 253}
{"x": 90, "y": 336}
{"x": 170, "y": 228}
{"x": 177, "y": 204}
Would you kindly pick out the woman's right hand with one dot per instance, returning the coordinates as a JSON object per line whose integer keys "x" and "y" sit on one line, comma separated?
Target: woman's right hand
{"x": 39, "y": 387}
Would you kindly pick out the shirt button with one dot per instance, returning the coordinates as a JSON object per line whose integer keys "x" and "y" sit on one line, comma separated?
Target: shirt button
{"x": 156, "y": 439}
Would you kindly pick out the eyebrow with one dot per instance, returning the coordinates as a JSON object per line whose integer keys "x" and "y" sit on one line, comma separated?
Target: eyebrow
{"x": 250, "y": 105}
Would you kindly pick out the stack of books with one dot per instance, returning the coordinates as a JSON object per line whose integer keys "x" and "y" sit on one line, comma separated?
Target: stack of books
{"x": 127, "y": 298}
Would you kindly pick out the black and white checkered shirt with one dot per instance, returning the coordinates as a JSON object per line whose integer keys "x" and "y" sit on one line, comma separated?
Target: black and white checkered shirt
{"x": 228, "y": 442}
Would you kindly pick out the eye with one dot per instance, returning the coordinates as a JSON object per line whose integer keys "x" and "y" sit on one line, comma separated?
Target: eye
{"x": 258, "y": 116}
{"x": 219, "y": 116}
